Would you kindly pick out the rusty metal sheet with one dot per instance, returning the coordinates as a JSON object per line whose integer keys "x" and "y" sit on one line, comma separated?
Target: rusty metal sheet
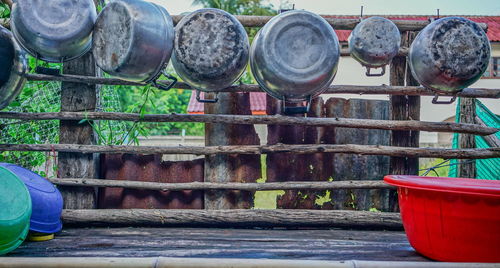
{"x": 150, "y": 168}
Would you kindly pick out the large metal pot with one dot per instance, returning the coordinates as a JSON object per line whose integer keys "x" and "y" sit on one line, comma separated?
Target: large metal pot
{"x": 374, "y": 42}
{"x": 133, "y": 40}
{"x": 449, "y": 54}
{"x": 54, "y": 30}
{"x": 294, "y": 57}
{"x": 211, "y": 49}
{"x": 13, "y": 67}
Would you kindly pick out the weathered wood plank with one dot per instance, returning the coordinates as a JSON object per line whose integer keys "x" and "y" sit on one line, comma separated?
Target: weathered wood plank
{"x": 467, "y": 115}
{"x": 230, "y": 168}
{"x": 76, "y": 97}
{"x": 232, "y": 218}
{"x": 339, "y": 121}
{"x": 264, "y": 149}
{"x": 322, "y": 244}
{"x": 270, "y": 186}
{"x": 360, "y": 167}
{"x": 333, "y": 89}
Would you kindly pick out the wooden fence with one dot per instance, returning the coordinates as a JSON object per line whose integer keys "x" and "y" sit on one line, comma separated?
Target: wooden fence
{"x": 232, "y": 162}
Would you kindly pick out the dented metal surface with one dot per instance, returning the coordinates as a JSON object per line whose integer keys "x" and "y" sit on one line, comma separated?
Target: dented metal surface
{"x": 54, "y": 30}
{"x": 374, "y": 42}
{"x": 449, "y": 54}
{"x": 13, "y": 66}
{"x": 133, "y": 40}
{"x": 211, "y": 49}
{"x": 295, "y": 56}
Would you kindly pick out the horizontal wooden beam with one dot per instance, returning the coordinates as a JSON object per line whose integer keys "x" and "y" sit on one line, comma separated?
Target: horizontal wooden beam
{"x": 264, "y": 149}
{"x": 232, "y": 218}
{"x": 336, "y": 23}
{"x": 333, "y": 89}
{"x": 264, "y": 119}
{"x": 270, "y": 186}
{"x": 184, "y": 262}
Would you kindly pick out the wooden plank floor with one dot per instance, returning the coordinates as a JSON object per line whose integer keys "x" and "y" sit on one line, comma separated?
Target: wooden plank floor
{"x": 324, "y": 244}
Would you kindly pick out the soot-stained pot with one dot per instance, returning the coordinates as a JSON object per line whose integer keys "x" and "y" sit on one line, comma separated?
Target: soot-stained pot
{"x": 374, "y": 42}
{"x": 13, "y": 67}
{"x": 133, "y": 40}
{"x": 54, "y": 30}
{"x": 294, "y": 57}
{"x": 211, "y": 49}
{"x": 449, "y": 54}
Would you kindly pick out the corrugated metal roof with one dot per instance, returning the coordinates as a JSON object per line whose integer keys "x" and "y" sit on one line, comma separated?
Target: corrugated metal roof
{"x": 492, "y": 21}
{"x": 257, "y": 103}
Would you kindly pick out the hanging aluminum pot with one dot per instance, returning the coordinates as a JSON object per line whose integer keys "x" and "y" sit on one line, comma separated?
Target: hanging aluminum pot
{"x": 449, "y": 55}
{"x": 374, "y": 42}
{"x": 133, "y": 40}
{"x": 294, "y": 57}
{"x": 54, "y": 30}
{"x": 211, "y": 50}
{"x": 13, "y": 67}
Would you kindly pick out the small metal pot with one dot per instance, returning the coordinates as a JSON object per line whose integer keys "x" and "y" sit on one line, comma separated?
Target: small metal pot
{"x": 13, "y": 67}
{"x": 374, "y": 42}
{"x": 294, "y": 57}
{"x": 211, "y": 50}
{"x": 54, "y": 30}
{"x": 449, "y": 54}
{"x": 133, "y": 40}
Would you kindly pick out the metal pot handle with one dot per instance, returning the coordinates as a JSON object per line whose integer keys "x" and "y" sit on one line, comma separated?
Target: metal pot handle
{"x": 296, "y": 110}
{"x": 379, "y": 74}
{"x": 46, "y": 70}
{"x": 198, "y": 98}
{"x": 436, "y": 101}
{"x": 163, "y": 86}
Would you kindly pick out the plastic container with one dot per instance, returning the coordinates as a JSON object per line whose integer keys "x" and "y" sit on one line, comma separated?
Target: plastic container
{"x": 47, "y": 201}
{"x": 15, "y": 211}
{"x": 450, "y": 219}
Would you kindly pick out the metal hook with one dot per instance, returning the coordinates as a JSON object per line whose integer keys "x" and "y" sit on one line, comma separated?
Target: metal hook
{"x": 436, "y": 101}
{"x": 361, "y": 15}
{"x": 296, "y": 110}
{"x": 198, "y": 98}
{"x": 438, "y": 13}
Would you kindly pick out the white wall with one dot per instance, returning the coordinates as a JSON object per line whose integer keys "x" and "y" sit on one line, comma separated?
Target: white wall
{"x": 350, "y": 72}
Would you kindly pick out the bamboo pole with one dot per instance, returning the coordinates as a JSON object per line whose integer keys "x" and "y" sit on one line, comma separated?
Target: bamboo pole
{"x": 482, "y": 153}
{"x": 266, "y": 119}
{"x": 169, "y": 262}
{"x": 232, "y": 218}
{"x": 270, "y": 186}
{"x": 334, "y": 89}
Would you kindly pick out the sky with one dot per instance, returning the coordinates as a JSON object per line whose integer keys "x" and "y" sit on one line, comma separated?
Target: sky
{"x": 379, "y": 7}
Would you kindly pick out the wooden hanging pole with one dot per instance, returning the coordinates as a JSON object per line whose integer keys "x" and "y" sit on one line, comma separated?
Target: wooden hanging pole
{"x": 265, "y": 119}
{"x": 263, "y": 149}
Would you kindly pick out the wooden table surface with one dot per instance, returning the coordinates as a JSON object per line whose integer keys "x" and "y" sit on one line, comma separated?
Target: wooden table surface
{"x": 317, "y": 244}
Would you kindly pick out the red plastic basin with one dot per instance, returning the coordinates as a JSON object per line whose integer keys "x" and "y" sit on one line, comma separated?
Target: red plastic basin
{"x": 450, "y": 219}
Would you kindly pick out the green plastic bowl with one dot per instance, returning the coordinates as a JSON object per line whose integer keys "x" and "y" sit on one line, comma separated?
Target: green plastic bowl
{"x": 15, "y": 211}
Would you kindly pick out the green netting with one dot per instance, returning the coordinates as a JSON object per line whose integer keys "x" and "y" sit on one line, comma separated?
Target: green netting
{"x": 487, "y": 169}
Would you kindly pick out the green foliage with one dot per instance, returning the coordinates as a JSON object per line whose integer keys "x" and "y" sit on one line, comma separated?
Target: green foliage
{"x": 4, "y": 11}
{"x": 239, "y": 7}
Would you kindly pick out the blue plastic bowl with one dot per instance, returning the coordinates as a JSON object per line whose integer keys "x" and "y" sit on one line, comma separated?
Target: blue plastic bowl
{"x": 47, "y": 202}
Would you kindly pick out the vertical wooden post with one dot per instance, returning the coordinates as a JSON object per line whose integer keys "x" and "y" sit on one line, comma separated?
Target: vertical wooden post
{"x": 230, "y": 168}
{"x": 76, "y": 97}
{"x": 404, "y": 108}
{"x": 467, "y": 115}
{"x": 413, "y": 112}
